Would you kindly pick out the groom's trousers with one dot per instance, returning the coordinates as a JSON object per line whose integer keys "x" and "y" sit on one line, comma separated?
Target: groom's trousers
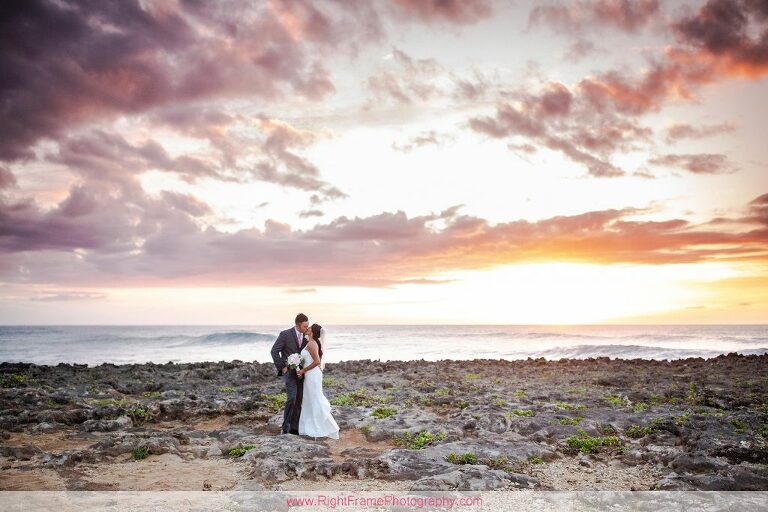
{"x": 294, "y": 387}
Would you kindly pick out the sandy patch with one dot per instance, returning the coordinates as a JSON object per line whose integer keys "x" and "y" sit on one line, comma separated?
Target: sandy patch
{"x": 166, "y": 472}
{"x": 52, "y": 441}
{"x": 22, "y": 479}
{"x": 567, "y": 474}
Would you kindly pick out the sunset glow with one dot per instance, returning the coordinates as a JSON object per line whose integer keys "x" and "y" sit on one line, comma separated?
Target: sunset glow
{"x": 410, "y": 162}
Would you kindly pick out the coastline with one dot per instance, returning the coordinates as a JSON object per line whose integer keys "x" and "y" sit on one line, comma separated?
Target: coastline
{"x": 485, "y": 424}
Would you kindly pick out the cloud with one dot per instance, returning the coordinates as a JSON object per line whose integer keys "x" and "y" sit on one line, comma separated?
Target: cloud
{"x": 108, "y": 243}
{"x": 405, "y": 80}
{"x": 586, "y": 15}
{"x": 722, "y": 32}
{"x": 566, "y": 121}
{"x": 679, "y": 131}
{"x": 578, "y": 50}
{"x": 427, "y": 138}
{"x": 459, "y": 12}
{"x": 300, "y": 290}
{"x": 7, "y": 178}
{"x": 706, "y": 163}
{"x": 75, "y": 62}
{"x": 310, "y": 213}
{"x": 69, "y": 296}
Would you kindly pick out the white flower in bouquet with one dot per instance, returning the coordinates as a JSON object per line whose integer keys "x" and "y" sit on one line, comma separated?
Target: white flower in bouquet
{"x": 294, "y": 361}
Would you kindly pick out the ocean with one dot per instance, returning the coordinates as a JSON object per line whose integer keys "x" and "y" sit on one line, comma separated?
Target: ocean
{"x": 94, "y": 345}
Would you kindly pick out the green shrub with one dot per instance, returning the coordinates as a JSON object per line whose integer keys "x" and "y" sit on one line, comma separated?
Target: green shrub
{"x": 275, "y": 402}
{"x": 763, "y": 431}
{"x": 585, "y": 443}
{"x": 739, "y": 425}
{"x": 498, "y": 463}
{"x": 571, "y": 421}
{"x": 418, "y": 441}
{"x": 383, "y": 412}
{"x": 13, "y": 380}
{"x": 226, "y": 389}
{"x": 636, "y": 431}
{"x": 614, "y": 400}
{"x": 139, "y": 415}
{"x": 464, "y": 458}
{"x": 565, "y": 406}
{"x": 535, "y": 459}
{"x": 150, "y": 394}
{"x": 240, "y": 449}
{"x": 359, "y": 398}
{"x": 526, "y": 413}
{"x": 692, "y": 398}
{"x": 140, "y": 453}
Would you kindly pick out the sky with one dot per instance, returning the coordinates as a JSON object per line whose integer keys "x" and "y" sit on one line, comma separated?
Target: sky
{"x": 374, "y": 162}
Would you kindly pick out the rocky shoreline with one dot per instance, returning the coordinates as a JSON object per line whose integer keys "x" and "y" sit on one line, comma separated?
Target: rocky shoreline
{"x": 606, "y": 424}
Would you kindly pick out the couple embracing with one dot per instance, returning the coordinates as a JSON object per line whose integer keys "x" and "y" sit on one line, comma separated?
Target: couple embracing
{"x": 298, "y": 357}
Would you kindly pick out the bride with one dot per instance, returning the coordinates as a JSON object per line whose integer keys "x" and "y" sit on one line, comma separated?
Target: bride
{"x": 315, "y": 419}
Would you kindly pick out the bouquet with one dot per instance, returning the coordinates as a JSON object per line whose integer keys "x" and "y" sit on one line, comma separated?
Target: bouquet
{"x": 294, "y": 361}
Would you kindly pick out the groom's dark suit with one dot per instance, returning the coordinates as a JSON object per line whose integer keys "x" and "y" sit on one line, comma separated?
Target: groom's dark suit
{"x": 288, "y": 343}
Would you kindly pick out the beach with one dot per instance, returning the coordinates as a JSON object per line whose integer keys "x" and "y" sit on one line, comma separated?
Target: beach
{"x": 481, "y": 425}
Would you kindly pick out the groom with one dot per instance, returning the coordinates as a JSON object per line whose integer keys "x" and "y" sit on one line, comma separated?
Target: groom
{"x": 289, "y": 342}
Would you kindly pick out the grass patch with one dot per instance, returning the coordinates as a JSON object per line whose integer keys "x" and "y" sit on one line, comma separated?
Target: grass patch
{"x": 519, "y": 393}
{"x": 226, "y": 389}
{"x": 763, "y": 431}
{"x": 525, "y": 413}
{"x": 576, "y": 420}
{"x": 329, "y": 382}
{"x": 471, "y": 376}
{"x": 139, "y": 415}
{"x": 614, "y": 400}
{"x": 13, "y": 380}
{"x": 464, "y": 458}
{"x": 739, "y": 425}
{"x": 565, "y": 406}
{"x": 585, "y": 443}
{"x": 383, "y": 412}
{"x": 140, "y": 453}
{"x": 365, "y": 429}
{"x": 418, "y": 441}
{"x": 692, "y": 398}
{"x": 462, "y": 404}
{"x": 359, "y": 398}
{"x": 275, "y": 402}
{"x": 535, "y": 459}
{"x": 499, "y": 402}
{"x": 680, "y": 420}
{"x": 639, "y": 406}
{"x": 239, "y": 450}
{"x": 442, "y": 392}
{"x": 498, "y": 463}
{"x": 637, "y": 431}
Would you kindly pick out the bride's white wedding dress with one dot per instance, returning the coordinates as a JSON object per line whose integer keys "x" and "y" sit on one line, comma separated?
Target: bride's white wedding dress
{"x": 316, "y": 419}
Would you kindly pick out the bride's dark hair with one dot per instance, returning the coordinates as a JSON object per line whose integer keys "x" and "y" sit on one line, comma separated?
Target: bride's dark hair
{"x": 316, "y": 329}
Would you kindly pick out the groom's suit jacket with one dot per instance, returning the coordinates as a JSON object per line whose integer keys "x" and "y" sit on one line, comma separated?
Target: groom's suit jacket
{"x": 285, "y": 345}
